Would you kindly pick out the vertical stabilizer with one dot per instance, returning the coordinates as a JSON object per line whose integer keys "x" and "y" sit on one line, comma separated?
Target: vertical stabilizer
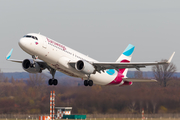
{"x": 126, "y": 57}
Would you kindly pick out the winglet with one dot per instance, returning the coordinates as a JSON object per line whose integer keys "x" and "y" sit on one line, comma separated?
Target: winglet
{"x": 9, "y": 54}
{"x": 170, "y": 59}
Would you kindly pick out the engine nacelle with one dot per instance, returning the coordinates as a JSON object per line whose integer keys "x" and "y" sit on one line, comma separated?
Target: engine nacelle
{"x": 85, "y": 67}
{"x": 28, "y": 66}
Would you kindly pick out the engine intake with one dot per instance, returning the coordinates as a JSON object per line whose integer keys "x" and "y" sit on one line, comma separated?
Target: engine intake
{"x": 85, "y": 67}
{"x": 28, "y": 66}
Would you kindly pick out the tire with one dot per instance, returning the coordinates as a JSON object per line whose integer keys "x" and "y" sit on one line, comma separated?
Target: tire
{"x": 55, "y": 82}
{"x": 50, "y": 82}
{"x": 86, "y": 83}
{"x": 90, "y": 83}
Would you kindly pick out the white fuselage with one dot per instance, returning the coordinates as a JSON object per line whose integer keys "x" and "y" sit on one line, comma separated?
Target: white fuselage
{"x": 57, "y": 56}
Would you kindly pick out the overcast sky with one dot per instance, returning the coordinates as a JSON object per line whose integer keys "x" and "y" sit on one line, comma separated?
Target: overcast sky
{"x": 101, "y": 29}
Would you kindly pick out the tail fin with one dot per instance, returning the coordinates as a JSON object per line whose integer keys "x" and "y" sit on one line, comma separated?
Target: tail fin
{"x": 126, "y": 57}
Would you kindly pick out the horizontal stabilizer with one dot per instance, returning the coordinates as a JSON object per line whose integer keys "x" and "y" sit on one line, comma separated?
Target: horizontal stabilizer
{"x": 139, "y": 80}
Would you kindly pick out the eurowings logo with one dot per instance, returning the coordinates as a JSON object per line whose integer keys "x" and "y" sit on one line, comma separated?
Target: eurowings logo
{"x": 129, "y": 50}
{"x": 56, "y": 43}
{"x": 36, "y": 43}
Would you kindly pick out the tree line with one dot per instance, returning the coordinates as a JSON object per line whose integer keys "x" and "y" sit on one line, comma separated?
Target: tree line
{"x": 32, "y": 96}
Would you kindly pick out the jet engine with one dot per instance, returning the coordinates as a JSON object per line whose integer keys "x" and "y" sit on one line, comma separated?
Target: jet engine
{"x": 31, "y": 67}
{"x": 84, "y": 67}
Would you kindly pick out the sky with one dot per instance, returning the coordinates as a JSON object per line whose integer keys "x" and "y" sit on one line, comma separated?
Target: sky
{"x": 101, "y": 29}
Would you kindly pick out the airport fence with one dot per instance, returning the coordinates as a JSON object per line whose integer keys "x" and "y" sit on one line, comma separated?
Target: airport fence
{"x": 36, "y": 116}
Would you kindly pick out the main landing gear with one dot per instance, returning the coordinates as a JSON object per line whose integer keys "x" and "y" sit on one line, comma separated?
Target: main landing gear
{"x": 88, "y": 82}
{"x": 51, "y": 70}
{"x": 52, "y": 81}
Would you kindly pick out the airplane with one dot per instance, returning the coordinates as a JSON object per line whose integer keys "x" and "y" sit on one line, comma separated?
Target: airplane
{"x": 54, "y": 56}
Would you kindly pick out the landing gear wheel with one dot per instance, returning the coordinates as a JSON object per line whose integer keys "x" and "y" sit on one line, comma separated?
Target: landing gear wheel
{"x": 55, "y": 82}
{"x": 90, "y": 83}
{"x": 50, "y": 82}
{"x": 86, "y": 83}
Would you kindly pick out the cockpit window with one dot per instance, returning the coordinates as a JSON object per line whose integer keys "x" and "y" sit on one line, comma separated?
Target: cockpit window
{"x": 30, "y": 36}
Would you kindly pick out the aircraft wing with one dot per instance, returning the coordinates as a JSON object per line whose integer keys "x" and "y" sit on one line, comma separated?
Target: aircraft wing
{"x": 40, "y": 62}
{"x": 101, "y": 66}
{"x": 12, "y": 60}
{"x": 111, "y": 65}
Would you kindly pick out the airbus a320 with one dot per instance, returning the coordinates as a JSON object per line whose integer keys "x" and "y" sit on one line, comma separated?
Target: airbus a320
{"x": 54, "y": 56}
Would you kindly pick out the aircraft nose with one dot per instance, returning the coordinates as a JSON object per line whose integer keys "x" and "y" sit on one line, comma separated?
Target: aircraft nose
{"x": 22, "y": 42}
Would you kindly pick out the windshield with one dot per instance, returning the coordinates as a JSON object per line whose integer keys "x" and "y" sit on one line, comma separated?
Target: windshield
{"x": 30, "y": 36}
